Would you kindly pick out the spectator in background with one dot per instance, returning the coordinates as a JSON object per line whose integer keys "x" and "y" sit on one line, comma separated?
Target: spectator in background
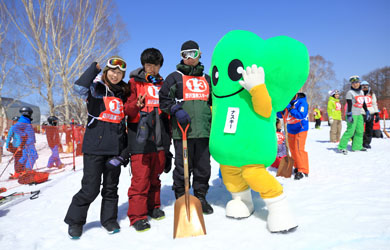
{"x": 370, "y": 100}
{"x": 334, "y": 115}
{"x": 78, "y": 138}
{"x": 317, "y": 117}
{"x": 282, "y": 152}
{"x": 383, "y": 114}
{"x": 53, "y": 140}
{"x": 30, "y": 154}
{"x": 354, "y": 117}
{"x": 297, "y": 127}
{"x": 68, "y": 138}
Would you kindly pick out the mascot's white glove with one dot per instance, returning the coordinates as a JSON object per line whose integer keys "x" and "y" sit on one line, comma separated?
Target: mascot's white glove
{"x": 252, "y": 77}
{"x": 330, "y": 120}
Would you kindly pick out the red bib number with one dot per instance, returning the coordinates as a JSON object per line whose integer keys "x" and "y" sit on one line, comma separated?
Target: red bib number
{"x": 195, "y": 88}
{"x": 114, "y": 110}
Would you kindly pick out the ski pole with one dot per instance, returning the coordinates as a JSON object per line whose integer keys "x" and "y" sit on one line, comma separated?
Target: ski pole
{"x": 73, "y": 153}
{"x": 13, "y": 156}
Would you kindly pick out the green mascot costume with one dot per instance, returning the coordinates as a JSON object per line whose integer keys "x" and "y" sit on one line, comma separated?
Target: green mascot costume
{"x": 253, "y": 79}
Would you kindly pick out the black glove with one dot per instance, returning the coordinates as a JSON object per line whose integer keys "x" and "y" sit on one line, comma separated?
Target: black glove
{"x": 168, "y": 161}
{"x": 181, "y": 115}
{"x": 376, "y": 117}
{"x": 116, "y": 161}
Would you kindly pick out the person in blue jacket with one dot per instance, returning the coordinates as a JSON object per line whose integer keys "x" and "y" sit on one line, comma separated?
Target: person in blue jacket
{"x": 14, "y": 145}
{"x": 29, "y": 155}
{"x": 296, "y": 116}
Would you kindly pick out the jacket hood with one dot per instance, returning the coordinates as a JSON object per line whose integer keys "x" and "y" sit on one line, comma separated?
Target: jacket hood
{"x": 138, "y": 74}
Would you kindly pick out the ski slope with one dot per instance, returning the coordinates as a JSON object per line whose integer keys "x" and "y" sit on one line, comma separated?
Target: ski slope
{"x": 344, "y": 204}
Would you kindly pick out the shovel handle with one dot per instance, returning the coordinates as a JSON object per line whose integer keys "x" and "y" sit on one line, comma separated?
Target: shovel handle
{"x": 185, "y": 161}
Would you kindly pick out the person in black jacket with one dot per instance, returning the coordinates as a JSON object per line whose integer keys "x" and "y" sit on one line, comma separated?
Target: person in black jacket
{"x": 105, "y": 138}
{"x": 185, "y": 95}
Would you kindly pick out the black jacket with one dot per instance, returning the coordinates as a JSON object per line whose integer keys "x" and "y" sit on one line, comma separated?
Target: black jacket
{"x": 100, "y": 138}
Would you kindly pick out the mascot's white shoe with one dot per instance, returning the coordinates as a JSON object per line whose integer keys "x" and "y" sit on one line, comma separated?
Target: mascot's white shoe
{"x": 280, "y": 218}
{"x": 241, "y": 206}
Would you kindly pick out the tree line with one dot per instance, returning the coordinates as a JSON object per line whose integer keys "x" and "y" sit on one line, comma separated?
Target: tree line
{"x": 61, "y": 37}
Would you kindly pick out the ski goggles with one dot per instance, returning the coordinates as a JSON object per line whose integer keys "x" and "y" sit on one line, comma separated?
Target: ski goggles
{"x": 354, "y": 79}
{"x": 116, "y": 63}
{"x": 189, "y": 53}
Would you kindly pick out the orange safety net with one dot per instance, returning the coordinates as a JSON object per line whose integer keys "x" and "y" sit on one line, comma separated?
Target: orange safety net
{"x": 28, "y": 147}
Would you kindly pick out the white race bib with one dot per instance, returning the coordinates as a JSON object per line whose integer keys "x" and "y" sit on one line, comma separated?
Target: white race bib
{"x": 231, "y": 120}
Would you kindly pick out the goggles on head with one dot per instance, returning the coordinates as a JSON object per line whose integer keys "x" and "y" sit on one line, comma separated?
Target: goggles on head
{"x": 354, "y": 79}
{"x": 189, "y": 53}
{"x": 116, "y": 63}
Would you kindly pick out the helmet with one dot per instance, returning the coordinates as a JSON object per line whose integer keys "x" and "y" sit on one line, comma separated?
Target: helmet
{"x": 15, "y": 118}
{"x": 52, "y": 120}
{"x": 26, "y": 111}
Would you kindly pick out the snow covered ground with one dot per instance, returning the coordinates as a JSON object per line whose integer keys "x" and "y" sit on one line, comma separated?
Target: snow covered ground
{"x": 344, "y": 204}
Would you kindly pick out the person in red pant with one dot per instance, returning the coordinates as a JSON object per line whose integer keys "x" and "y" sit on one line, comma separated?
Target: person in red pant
{"x": 148, "y": 141}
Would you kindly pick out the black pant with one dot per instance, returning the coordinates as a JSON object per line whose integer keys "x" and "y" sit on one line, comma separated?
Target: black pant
{"x": 318, "y": 123}
{"x": 368, "y": 131}
{"x": 94, "y": 168}
{"x": 198, "y": 163}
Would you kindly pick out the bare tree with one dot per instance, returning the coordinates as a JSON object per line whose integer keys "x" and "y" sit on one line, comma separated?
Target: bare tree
{"x": 64, "y": 36}
{"x": 9, "y": 61}
{"x": 319, "y": 81}
{"x": 379, "y": 80}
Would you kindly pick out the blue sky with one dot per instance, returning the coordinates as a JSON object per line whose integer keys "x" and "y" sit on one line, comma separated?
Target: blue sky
{"x": 354, "y": 35}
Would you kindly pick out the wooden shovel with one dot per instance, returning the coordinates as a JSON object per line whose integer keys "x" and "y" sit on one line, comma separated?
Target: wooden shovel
{"x": 287, "y": 163}
{"x": 188, "y": 216}
{"x": 384, "y": 126}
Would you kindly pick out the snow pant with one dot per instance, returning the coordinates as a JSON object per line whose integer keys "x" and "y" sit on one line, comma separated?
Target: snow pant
{"x": 318, "y": 123}
{"x": 368, "y": 130}
{"x": 297, "y": 147}
{"x": 18, "y": 166}
{"x": 144, "y": 192}
{"x": 29, "y": 156}
{"x": 256, "y": 177}
{"x": 335, "y": 131}
{"x": 94, "y": 168}
{"x": 54, "y": 159}
{"x": 198, "y": 164}
{"x": 356, "y": 130}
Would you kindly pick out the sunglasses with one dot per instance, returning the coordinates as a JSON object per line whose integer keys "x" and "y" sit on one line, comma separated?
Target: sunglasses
{"x": 116, "y": 63}
{"x": 189, "y": 53}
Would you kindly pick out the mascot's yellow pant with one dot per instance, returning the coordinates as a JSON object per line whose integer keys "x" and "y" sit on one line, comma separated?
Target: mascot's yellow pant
{"x": 254, "y": 176}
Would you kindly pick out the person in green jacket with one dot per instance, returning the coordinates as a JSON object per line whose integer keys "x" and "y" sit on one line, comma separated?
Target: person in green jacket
{"x": 186, "y": 96}
{"x": 334, "y": 115}
{"x": 317, "y": 117}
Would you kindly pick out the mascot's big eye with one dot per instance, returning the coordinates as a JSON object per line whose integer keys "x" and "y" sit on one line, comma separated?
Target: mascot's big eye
{"x": 215, "y": 75}
{"x": 235, "y": 70}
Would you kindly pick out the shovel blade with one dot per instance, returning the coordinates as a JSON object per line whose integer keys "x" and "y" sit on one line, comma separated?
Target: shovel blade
{"x": 188, "y": 221}
{"x": 285, "y": 167}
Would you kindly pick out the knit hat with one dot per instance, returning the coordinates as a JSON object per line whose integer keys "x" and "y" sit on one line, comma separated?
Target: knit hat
{"x": 364, "y": 83}
{"x": 189, "y": 45}
{"x": 121, "y": 67}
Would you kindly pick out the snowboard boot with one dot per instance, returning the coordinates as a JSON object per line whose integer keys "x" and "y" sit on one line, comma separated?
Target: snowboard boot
{"x": 241, "y": 206}
{"x": 112, "y": 227}
{"x": 280, "y": 218}
{"x": 157, "y": 214}
{"x": 141, "y": 225}
{"x": 75, "y": 231}
{"x": 207, "y": 209}
{"x": 300, "y": 175}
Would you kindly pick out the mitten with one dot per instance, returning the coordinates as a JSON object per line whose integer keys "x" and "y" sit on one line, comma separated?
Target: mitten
{"x": 181, "y": 115}
{"x": 330, "y": 120}
{"x": 168, "y": 161}
{"x": 115, "y": 161}
{"x": 252, "y": 77}
{"x": 349, "y": 117}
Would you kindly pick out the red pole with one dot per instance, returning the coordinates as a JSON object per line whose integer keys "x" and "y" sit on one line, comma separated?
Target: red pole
{"x": 74, "y": 160}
